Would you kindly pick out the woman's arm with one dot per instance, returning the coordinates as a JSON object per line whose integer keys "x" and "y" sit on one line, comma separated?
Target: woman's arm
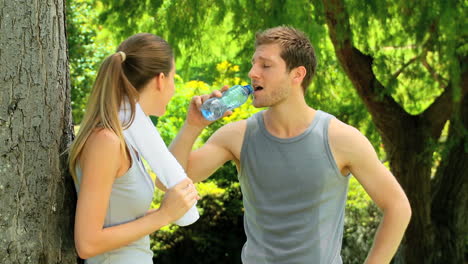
{"x": 100, "y": 161}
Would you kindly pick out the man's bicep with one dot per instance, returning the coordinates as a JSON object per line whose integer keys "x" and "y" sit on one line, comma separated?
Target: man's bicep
{"x": 376, "y": 179}
{"x": 206, "y": 160}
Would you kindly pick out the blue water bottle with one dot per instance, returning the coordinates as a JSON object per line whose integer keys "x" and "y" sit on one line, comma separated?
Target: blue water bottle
{"x": 214, "y": 108}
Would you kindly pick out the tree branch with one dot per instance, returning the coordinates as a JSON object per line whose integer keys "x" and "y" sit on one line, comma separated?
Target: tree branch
{"x": 434, "y": 74}
{"x": 386, "y": 113}
{"x": 397, "y": 73}
{"x": 411, "y": 46}
{"x": 437, "y": 114}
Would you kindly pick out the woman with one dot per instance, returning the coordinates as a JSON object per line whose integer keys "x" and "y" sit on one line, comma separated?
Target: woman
{"x": 112, "y": 223}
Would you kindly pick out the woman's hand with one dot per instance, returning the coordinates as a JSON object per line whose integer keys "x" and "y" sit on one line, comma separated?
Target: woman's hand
{"x": 179, "y": 199}
{"x": 194, "y": 115}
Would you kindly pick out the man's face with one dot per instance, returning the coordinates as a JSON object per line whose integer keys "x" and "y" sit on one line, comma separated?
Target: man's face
{"x": 270, "y": 79}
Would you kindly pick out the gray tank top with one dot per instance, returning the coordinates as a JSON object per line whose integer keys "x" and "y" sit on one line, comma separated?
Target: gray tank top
{"x": 130, "y": 199}
{"x": 294, "y": 196}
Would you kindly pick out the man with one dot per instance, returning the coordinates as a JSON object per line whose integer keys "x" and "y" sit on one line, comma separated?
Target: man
{"x": 294, "y": 163}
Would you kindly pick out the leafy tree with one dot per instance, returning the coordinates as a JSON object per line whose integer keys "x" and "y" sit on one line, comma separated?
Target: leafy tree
{"x": 408, "y": 63}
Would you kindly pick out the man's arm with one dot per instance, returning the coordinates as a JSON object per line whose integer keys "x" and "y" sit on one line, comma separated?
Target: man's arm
{"x": 203, "y": 162}
{"x": 200, "y": 164}
{"x": 360, "y": 158}
{"x": 181, "y": 146}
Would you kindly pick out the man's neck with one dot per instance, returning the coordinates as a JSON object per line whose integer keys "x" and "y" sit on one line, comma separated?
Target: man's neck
{"x": 288, "y": 119}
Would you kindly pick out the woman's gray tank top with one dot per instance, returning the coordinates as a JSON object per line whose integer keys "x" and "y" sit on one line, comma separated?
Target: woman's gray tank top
{"x": 294, "y": 196}
{"x": 130, "y": 199}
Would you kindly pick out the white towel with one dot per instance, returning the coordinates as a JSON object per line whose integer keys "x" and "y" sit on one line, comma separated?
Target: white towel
{"x": 143, "y": 136}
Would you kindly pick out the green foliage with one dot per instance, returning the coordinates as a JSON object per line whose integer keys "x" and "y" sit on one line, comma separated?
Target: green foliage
{"x": 415, "y": 45}
{"x": 84, "y": 53}
{"x": 415, "y": 40}
{"x": 201, "y": 23}
{"x": 216, "y": 31}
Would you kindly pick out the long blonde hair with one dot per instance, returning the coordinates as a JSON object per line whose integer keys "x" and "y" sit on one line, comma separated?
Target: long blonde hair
{"x": 120, "y": 78}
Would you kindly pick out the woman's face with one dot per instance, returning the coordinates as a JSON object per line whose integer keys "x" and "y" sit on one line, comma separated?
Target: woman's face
{"x": 170, "y": 80}
{"x": 167, "y": 91}
{"x": 169, "y": 84}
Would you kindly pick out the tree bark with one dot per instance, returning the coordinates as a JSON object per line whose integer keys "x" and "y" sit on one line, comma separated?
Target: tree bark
{"x": 410, "y": 162}
{"x": 450, "y": 196}
{"x": 36, "y": 194}
{"x": 409, "y": 142}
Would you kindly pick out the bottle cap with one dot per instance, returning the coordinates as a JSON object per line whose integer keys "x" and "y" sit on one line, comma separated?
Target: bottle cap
{"x": 249, "y": 88}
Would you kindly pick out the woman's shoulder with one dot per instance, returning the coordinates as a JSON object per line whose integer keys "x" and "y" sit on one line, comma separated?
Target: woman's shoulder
{"x": 102, "y": 143}
{"x": 103, "y": 155}
{"x": 104, "y": 136}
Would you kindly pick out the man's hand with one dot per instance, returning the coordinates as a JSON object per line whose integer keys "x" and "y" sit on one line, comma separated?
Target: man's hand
{"x": 194, "y": 115}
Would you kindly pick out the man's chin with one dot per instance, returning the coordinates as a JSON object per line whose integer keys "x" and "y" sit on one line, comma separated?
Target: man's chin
{"x": 258, "y": 104}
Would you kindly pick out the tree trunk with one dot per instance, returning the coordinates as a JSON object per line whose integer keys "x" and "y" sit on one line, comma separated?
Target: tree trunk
{"x": 411, "y": 162}
{"x": 450, "y": 198}
{"x": 36, "y": 194}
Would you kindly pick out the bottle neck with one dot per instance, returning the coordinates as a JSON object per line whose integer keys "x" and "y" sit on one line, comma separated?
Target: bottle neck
{"x": 248, "y": 89}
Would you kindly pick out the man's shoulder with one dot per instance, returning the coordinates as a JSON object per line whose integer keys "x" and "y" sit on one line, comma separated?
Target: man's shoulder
{"x": 341, "y": 133}
{"x": 346, "y": 141}
{"x": 234, "y": 132}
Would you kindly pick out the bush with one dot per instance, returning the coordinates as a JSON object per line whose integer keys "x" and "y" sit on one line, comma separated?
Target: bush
{"x": 217, "y": 237}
